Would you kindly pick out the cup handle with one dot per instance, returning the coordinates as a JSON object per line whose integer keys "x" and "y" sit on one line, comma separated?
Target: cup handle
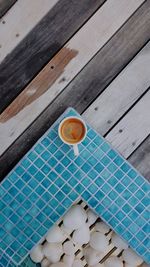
{"x": 76, "y": 150}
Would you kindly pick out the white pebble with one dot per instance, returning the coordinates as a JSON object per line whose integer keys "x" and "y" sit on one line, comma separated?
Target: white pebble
{"x": 66, "y": 231}
{"x": 102, "y": 227}
{"x": 77, "y": 263}
{"x": 113, "y": 262}
{"x": 99, "y": 241}
{"x": 58, "y": 264}
{"x": 92, "y": 217}
{"x": 55, "y": 235}
{"x": 37, "y": 254}
{"x": 53, "y": 251}
{"x": 82, "y": 235}
{"x": 131, "y": 257}
{"x": 92, "y": 256}
{"x": 68, "y": 248}
{"x": 45, "y": 263}
{"x": 68, "y": 260}
{"x": 75, "y": 217}
{"x": 118, "y": 241}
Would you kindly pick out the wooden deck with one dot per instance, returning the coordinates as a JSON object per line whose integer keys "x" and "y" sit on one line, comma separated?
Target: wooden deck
{"x": 91, "y": 55}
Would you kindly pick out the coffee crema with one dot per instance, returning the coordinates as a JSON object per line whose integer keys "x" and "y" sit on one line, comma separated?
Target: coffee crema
{"x": 72, "y": 130}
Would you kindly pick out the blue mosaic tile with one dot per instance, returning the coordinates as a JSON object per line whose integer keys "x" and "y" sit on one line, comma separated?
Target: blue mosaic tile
{"x": 112, "y": 167}
{"x": 49, "y": 179}
{"x": 99, "y": 181}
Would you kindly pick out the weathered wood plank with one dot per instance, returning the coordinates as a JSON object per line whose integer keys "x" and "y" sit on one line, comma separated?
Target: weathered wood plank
{"x": 122, "y": 93}
{"x": 140, "y": 159}
{"x": 38, "y": 47}
{"x": 133, "y": 128}
{"x": 5, "y": 5}
{"x": 20, "y": 20}
{"x": 88, "y": 84}
{"x": 62, "y": 69}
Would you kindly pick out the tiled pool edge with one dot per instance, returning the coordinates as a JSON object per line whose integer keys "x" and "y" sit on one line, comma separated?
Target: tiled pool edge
{"x": 105, "y": 214}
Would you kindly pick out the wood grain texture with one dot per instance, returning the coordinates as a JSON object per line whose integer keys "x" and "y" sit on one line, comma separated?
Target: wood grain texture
{"x": 5, "y": 5}
{"x": 93, "y": 79}
{"x": 19, "y": 21}
{"x": 134, "y": 127}
{"x": 65, "y": 66}
{"x": 122, "y": 93}
{"x": 38, "y": 87}
{"x": 140, "y": 159}
{"x": 40, "y": 45}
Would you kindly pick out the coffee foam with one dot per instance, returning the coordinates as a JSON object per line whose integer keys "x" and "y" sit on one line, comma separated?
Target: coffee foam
{"x": 72, "y": 130}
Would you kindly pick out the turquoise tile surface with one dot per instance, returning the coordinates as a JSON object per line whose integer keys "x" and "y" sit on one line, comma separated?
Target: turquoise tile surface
{"x": 49, "y": 179}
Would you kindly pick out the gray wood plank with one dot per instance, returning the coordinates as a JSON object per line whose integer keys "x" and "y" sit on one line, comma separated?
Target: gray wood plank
{"x": 20, "y": 21}
{"x": 5, "y": 5}
{"x": 133, "y": 128}
{"x": 68, "y": 62}
{"x": 140, "y": 159}
{"x": 97, "y": 75}
{"x": 40, "y": 45}
{"x": 122, "y": 93}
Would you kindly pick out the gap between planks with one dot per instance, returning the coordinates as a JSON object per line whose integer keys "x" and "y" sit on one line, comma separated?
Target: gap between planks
{"x": 101, "y": 70}
{"x": 118, "y": 98}
{"x": 111, "y": 250}
{"x": 41, "y": 44}
{"x": 140, "y": 158}
{"x": 19, "y": 21}
{"x": 67, "y": 63}
{"x": 133, "y": 128}
{"x": 5, "y": 6}
{"x": 122, "y": 93}
{"x": 135, "y": 121}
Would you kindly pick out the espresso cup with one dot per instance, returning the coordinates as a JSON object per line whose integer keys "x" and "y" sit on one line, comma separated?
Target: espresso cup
{"x": 72, "y": 131}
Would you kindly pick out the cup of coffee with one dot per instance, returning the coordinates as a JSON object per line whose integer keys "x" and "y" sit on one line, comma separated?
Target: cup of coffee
{"x": 72, "y": 131}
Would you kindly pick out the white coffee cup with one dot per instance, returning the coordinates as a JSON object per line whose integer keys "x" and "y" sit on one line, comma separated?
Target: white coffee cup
{"x": 77, "y": 132}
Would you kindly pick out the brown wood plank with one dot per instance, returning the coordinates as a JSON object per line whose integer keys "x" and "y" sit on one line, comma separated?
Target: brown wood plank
{"x": 89, "y": 84}
{"x": 40, "y": 45}
{"x": 5, "y": 5}
{"x": 63, "y": 67}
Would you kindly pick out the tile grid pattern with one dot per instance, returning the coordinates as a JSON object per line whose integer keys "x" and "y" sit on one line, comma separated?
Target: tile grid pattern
{"x": 4, "y": 261}
{"x": 47, "y": 181}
